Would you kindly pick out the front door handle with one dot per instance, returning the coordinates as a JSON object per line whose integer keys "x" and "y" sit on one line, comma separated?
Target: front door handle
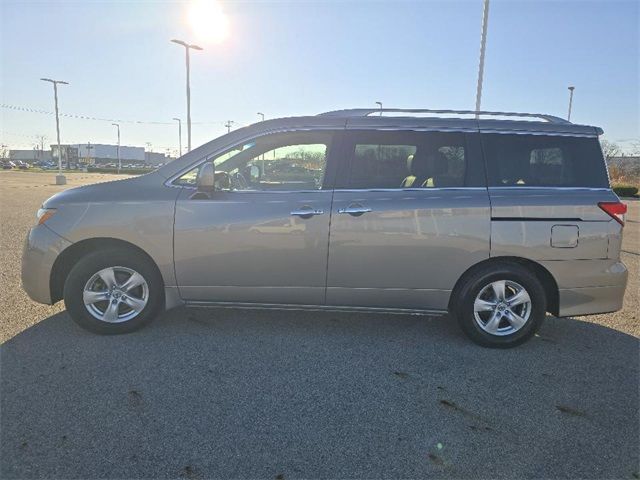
{"x": 306, "y": 212}
{"x": 354, "y": 210}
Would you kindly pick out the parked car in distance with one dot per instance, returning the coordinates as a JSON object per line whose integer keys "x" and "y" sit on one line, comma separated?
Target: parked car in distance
{"x": 496, "y": 219}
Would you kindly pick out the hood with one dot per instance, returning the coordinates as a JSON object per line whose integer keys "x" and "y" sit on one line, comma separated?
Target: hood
{"x": 129, "y": 189}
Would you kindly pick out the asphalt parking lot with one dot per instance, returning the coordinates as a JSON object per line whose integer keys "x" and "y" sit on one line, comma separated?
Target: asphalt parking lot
{"x": 264, "y": 394}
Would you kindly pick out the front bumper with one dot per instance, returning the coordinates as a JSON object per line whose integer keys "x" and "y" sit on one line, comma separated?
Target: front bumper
{"x": 41, "y": 249}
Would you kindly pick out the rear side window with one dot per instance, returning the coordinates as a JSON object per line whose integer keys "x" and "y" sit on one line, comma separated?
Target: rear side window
{"x": 383, "y": 159}
{"x": 379, "y": 165}
{"x": 543, "y": 161}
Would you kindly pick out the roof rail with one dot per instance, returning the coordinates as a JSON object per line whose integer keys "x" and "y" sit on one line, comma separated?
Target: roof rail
{"x": 363, "y": 112}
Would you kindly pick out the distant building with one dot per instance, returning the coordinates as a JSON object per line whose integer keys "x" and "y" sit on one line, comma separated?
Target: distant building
{"x": 69, "y": 154}
{"x": 92, "y": 154}
{"x": 155, "y": 159}
{"x": 30, "y": 156}
{"x": 101, "y": 154}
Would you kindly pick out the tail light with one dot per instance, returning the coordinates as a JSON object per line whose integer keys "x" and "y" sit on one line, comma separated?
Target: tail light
{"x": 615, "y": 210}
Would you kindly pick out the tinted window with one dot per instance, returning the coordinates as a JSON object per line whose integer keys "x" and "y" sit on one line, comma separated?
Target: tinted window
{"x": 289, "y": 167}
{"x": 544, "y": 161}
{"x": 289, "y": 161}
{"x": 382, "y": 159}
{"x": 380, "y": 165}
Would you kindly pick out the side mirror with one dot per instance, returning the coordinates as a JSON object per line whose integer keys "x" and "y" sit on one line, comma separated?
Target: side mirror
{"x": 206, "y": 178}
{"x": 205, "y": 182}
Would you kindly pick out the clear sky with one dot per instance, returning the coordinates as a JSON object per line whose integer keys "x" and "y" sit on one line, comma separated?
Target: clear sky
{"x": 304, "y": 57}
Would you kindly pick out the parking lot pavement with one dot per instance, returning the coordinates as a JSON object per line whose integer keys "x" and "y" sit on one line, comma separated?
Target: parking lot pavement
{"x": 265, "y": 394}
{"x": 251, "y": 394}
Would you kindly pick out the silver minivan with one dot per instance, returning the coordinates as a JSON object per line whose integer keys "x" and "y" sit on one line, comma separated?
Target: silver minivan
{"x": 496, "y": 218}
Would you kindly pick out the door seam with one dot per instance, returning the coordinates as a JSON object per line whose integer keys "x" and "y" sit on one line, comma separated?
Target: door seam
{"x": 173, "y": 243}
{"x": 326, "y": 271}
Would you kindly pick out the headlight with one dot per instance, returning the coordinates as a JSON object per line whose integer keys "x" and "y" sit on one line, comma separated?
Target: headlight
{"x": 45, "y": 214}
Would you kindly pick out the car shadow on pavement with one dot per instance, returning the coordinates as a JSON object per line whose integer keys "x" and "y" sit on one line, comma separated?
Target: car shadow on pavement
{"x": 248, "y": 393}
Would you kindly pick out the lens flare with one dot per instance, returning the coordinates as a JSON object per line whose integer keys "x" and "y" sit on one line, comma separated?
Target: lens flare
{"x": 208, "y": 21}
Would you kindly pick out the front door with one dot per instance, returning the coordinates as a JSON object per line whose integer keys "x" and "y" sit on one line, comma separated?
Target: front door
{"x": 410, "y": 214}
{"x": 262, "y": 236}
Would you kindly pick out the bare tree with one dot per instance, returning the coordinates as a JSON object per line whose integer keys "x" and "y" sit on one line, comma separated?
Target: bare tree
{"x": 610, "y": 149}
{"x": 40, "y": 140}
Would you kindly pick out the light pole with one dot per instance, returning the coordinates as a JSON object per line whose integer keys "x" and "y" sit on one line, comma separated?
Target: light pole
{"x": 60, "y": 179}
{"x": 188, "y": 47}
{"x": 228, "y": 125}
{"x": 89, "y": 148}
{"x": 117, "y": 125}
{"x": 261, "y": 114}
{"x": 571, "y": 89}
{"x": 179, "y": 134}
{"x": 483, "y": 43}
{"x": 380, "y": 103}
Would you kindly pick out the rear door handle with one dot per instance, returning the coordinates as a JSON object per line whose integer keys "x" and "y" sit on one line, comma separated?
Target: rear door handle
{"x": 306, "y": 212}
{"x": 354, "y": 210}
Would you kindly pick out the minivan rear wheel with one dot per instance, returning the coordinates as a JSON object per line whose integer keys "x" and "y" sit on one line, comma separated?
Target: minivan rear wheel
{"x": 500, "y": 305}
{"x": 113, "y": 291}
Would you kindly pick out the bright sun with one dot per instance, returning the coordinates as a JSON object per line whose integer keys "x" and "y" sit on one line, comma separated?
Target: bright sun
{"x": 208, "y": 21}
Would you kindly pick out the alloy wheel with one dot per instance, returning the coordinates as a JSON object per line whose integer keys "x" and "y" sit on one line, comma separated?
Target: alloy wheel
{"x": 115, "y": 294}
{"x": 502, "y": 307}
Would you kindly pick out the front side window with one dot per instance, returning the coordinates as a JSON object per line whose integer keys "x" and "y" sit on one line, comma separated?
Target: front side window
{"x": 516, "y": 160}
{"x": 289, "y": 167}
{"x": 187, "y": 179}
{"x": 285, "y": 162}
{"x": 407, "y": 160}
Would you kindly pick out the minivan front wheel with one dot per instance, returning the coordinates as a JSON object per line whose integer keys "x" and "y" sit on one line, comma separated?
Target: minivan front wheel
{"x": 113, "y": 291}
{"x": 116, "y": 294}
{"x": 500, "y": 305}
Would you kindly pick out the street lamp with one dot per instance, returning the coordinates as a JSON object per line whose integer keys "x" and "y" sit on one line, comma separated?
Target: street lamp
{"x": 261, "y": 114}
{"x": 179, "y": 134}
{"x": 483, "y": 43}
{"x": 117, "y": 125}
{"x": 571, "y": 89}
{"x": 380, "y": 103}
{"x": 88, "y": 157}
{"x": 188, "y": 47}
{"x": 60, "y": 179}
{"x": 228, "y": 125}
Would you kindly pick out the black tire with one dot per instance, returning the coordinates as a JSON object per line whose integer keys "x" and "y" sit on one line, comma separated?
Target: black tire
{"x": 90, "y": 265}
{"x": 476, "y": 281}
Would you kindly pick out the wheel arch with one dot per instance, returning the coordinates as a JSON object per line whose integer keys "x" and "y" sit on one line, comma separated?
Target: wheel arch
{"x": 543, "y": 275}
{"x": 70, "y": 256}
